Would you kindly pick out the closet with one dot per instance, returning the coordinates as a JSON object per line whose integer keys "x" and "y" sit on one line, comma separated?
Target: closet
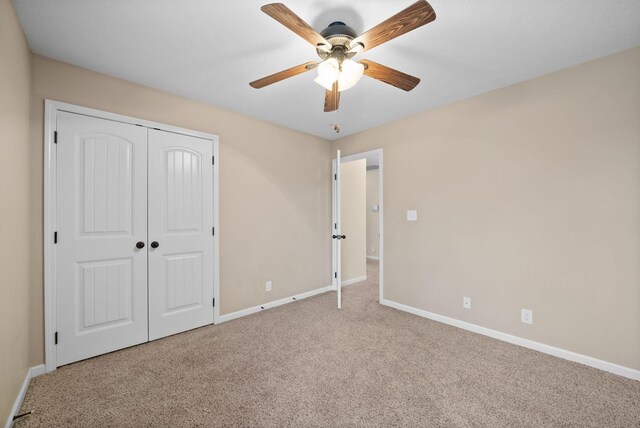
{"x": 134, "y": 234}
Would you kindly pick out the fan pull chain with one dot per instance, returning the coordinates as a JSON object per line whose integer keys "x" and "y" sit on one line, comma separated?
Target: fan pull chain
{"x": 336, "y": 126}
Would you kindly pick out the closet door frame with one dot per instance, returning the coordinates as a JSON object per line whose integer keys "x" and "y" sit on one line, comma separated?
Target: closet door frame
{"x": 52, "y": 108}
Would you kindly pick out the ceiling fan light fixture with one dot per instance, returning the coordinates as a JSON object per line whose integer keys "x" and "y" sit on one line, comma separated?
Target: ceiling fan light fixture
{"x": 328, "y": 72}
{"x": 350, "y": 74}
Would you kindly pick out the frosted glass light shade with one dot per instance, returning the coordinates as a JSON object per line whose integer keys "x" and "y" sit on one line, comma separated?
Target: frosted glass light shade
{"x": 350, "y": 75}
{"x": 328, "y": 72}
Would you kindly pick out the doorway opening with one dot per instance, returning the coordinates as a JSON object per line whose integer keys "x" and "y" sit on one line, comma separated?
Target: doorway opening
{"x": 358, "y": 218}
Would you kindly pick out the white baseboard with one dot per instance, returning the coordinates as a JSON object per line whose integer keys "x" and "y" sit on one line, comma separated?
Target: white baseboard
{"x": 253, "y": 310}
{"x": 31, "y": 373}
{"x": 354, "y": 280}
{"x": 505, "y": 337}
{"x": 373, "y": 257}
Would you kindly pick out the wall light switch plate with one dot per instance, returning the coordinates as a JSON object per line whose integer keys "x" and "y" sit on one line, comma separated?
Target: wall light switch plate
{"x": 269, "y": 284}
{"x": 412, "y": 215}
{"x": 466, "y": 302}
{"x": 526, "y": 316}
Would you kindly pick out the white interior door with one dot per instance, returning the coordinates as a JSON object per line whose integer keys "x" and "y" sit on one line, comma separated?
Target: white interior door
{"x": 180, "y": 233}
{"x": 337, "y": 236}
{"x": 101, "y": 210}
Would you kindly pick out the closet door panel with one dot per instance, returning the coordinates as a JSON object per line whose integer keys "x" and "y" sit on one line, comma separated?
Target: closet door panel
{"x": 180, "y": 233}
{"x": 101, "y": 276}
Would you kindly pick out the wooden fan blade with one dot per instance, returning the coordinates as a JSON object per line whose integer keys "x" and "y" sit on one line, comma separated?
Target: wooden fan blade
{"x": 293, "y": 22}
{"x": 285, "y": 74}
{"x": 416, "y": 15}
{"x": 389, "y": 76}
{"x": 332, "y": 99}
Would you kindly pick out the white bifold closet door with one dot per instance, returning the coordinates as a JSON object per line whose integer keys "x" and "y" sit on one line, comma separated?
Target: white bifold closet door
{"x": 134, "y": 251}
{"x": 180, "y": 233}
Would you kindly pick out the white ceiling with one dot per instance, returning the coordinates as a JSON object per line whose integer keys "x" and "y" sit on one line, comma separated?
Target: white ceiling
{"x": 210, "y": 50}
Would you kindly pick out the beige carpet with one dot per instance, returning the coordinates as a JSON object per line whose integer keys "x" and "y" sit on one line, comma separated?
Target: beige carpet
{"x": 306, "y": 364}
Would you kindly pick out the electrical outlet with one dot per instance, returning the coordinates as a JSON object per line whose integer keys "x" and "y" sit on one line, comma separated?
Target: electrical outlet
{"x": 466, "y": 302}
{"x": 526, "y": 316}
{"x": 269, "y": 284}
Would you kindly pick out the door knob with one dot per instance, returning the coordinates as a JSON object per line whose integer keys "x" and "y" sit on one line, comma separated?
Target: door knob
{"x": 140, "y": 245}
{"x": 155, "y": 244}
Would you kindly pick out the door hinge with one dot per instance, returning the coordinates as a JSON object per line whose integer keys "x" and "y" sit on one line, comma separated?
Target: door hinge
{"x": 335, "y": 226}
{"x": 335, "y": 275}
{"x": 55, "y": 237}
{"x": 214, "y": 302}
{"x": 55, "y": 137}
{"x": 335, "y": 176}
{"x": 55, "y": 338}
{"x": 213, "y": 231}
{"x": 213, "y": 160}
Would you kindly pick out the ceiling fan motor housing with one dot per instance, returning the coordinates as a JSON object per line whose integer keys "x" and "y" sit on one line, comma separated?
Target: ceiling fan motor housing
{"x": 339, "y": 35}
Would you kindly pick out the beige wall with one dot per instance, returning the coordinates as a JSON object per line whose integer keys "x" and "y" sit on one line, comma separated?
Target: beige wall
{"x": 373, "y": 217}
{"x": 353, "y": 218}
{"x": 527, "y": 197}
{"x": 14, "y": 203}
{"x": 275, "y": 188}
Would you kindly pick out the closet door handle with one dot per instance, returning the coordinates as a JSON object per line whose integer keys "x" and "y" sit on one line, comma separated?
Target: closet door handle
{"x": 140, "y": 245}
{"x": 155, "y": 244}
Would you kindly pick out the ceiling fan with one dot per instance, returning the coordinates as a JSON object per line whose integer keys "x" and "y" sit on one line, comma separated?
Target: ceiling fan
{"x": 338, "y": 43}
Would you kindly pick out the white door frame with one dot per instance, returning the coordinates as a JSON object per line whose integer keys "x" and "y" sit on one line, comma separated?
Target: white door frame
{"x": 343, "y": 160}
{"x": 51, "y": 108}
